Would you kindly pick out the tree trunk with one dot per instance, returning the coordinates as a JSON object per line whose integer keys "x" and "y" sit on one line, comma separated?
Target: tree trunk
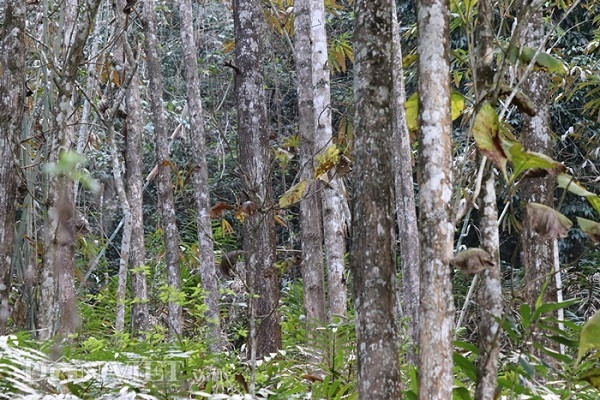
{"x": 334, "y": 231}
{"x": 373, "y": 250}
{"x": 537, "y": 253}
{"x": 12, "y": 87}
{"x": 134, "y": 179}
{"x": 201, "y": 194}
{"x": 489, "y": 296}
{"x": 57, "y": 291}
{"x": 435, "y": 194}
{"x": 253, "y": 142}
{"x": 165, "y": 184}
{"x": 310, "y": 208}
{"x": 405, "y": 195}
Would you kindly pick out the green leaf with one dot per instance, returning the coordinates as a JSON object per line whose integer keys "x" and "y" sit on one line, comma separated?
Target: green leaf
{"x": 485, "y": 133}
{"x": 293, "y": 195}
{"x": 590, "y": 336}
{"x": 524, "y": 160}
{"x": 461, "y": 393}
{"x": 465, "y": 365}
{"x": 593, "y": 377}
{"x": 327, "y": 160}
{"x": 590, "y": 228}
{"x": 457, "y": 104}
{"x": 543, "y": 60}
{"x": 550, "y": 307}
{"x": 526, "y": 315}
{"x": 573, "y": 186}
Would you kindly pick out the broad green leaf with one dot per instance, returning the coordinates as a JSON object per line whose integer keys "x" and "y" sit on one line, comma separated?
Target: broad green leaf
{"x": 590, "y": 228}
{"x": 590, "y": 336}
{"x": 550, "y": 307}
{"x": 465, "y": 365}
{"x": 593, "y": 377}
{"x": 457, "y": 103}
{"x": 485, "y": 133}
{"x": 293, "y": 195}
{"x": 525, "y": 315}
{"x": 546, "y": 221}
{"x": 524, "y": 160}
{"x": 543, "y": 60}
{"x": 461, "y": 393}
{"x": 573, "y": 186}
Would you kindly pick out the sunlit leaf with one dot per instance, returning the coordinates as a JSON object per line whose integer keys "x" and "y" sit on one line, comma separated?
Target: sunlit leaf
{"x": 411, "y": 106}
{"x": 327, "y": 160}
{"x": 485, "y": 132}
{"x": 590, "y": 228}
{"x": 293, "y": 195}
{"x": 524, "y": 160}
{"x": 590, "y": 336}
{"x": 548, "y": 222}
{"x": 573, "y": 186}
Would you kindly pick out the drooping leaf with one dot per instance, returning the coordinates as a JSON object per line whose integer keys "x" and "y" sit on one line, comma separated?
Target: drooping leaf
{"x": 590, "y": 336}
{"x": 543, "y": 60}
{"x": 218, "y": 209}
{"x": 573, "y": 186}
{"x": 293, "y": 195}
{"x": 327, "y": 160}
{"x": 548, "y": 222}
{"x": 590, "y": 228}
{"x": 472, "y": 261}
{"x": 524, "y": 160}
{"x": 485, "y": 132}
{"x": 457, "y": 104}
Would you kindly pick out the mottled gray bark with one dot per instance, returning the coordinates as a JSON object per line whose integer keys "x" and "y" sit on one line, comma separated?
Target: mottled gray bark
{"x": 164, "y": 182}
{"x": 537, "y": 253}
{"x": 435, "y": 194}
{"x": 373, "y": 248}
{"x": 57, "y": 281}
{"x": 12, "y": 96}
{"x": 489, "y": 297}
{"x": 205, "y": 241}
{"x": 406, "y": 212}
{"x": 253, "y": 142}
{"x": 310, "y": 207}
{"x": 333, "y": 200}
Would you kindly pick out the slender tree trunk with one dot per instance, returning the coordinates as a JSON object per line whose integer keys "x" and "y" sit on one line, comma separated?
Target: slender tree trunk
{"x": 435, "y": 194}
{"x": 310, "y": 207}
{"x": 253, "y": 141}
{"x": 57, "y": 292}
{"x": 373, "y": 248}
{"x": 405, "y": 195}
{"x": 165, "y": 184}
{"x": 12, "y": 87}
{"x": 334, "y": 231}
{"x": 537, "y": 253}
{"x": 489, "y": 296}
{"x": 196, "y": 120}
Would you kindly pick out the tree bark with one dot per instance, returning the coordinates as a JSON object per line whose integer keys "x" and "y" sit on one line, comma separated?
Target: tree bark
{"x": 12, "y": 87}
{"x": 165, "y": 185}
{"x": 310, "y": 207}
{"x": 489, "y": 296}
{"x": 253, "y": 142}
{"x": 537, "y": 254}
{"x": 332, "y": 198}
{"x": 57, "y": 291}
{"x": 435, "y": 194}
{"x": 405, "y": 196}
{"x": 373, "y": 250}
{"x": 205, "y": 241}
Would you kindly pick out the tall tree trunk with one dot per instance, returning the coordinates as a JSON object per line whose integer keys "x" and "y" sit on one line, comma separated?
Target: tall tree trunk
{"x": 253, "y": 142}
{"x": 310, "y": 207}
{"x": 57, "y": 292}
{"x": 537, "y": 253}
{"x": 489, "y": 296}
{"x": 405, "y": 195}
{"x": 373, "y": 248}
{"x": 201, "y": 194}
{"x": 165, "y": 184}
{"x": 332, "y": 197}
{"x": 435, "y": 194}
{"x": 12, "y": 87}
